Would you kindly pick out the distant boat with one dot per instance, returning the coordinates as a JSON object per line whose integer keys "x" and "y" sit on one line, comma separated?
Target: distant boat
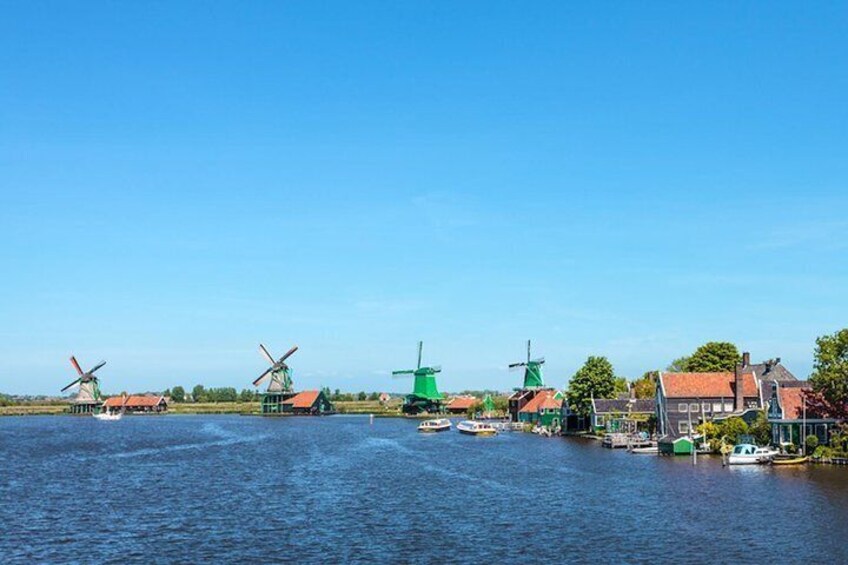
{"x": 749, "y": 454}
{"x": 437, "y": 425}
{"x": 473, "y": 428}
{"x": 654, "y": 450}
{"x": 789, "y": 460}
{"x": 108, "y": 417}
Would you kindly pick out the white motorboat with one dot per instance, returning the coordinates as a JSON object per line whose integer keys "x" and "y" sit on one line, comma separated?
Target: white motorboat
{"x": 437, "y": 425}
{"x": 474, "y": 428}
{"x": 652, "y": 450}
{"x": 108, "y": 416}
{"x": 749, "y": 454}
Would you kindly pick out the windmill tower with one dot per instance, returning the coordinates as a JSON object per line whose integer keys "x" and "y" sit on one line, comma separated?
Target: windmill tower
{"x": 533, "y": 384}
{"x": 87, "y": 400}
{"x": 532, "y": 370}
{"x": 425, "y": 396}
{"x": 280, "y": 386}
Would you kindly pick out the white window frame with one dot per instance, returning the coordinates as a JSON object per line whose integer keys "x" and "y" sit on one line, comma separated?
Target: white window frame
{"x": 682, "y": 408}
{"x": 683, "y": 427}
{"x": 694, "y": 407}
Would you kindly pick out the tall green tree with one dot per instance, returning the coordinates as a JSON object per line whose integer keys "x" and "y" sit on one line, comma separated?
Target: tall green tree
{"x": 178, "y": 394}
{"x": 830, "y": 374}
{"x": 198, "y": 393}
{"x": 621, "y": 386}
{"x": 646, "y": 385}
{"x": 712, "y": 357}
{"x": 595, "y": 378}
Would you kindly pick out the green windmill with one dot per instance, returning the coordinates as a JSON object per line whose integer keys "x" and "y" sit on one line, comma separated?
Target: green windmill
{"x": 280, "y": 386}
{"x": 425, "y": 396}
{"x": 532, "y": 370}
{"x": 88, "y": 399}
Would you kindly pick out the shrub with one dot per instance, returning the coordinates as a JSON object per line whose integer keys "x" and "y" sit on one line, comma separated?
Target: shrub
{"x": 812, "y": 442}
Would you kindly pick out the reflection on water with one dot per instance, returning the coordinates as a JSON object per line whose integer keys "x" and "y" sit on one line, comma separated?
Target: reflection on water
{"x": 229, "y": 488}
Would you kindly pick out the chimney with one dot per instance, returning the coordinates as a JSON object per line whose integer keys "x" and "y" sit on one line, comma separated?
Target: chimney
{"x": 739, "y": 398}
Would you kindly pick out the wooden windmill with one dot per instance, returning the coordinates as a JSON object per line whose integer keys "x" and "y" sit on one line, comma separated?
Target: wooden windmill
{"x": 280, "y": 386}
{"x": 532, "y": 370}
{"x": 88, "y": 398}
{"x": 425, "y": 395}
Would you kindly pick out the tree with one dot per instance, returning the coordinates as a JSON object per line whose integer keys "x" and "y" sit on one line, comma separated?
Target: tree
{"x": 362, "y": 396}
{"x": 247, "y": 395}
{"x": 595, "y": 379}
{"x": 178, "y": 394}
{"x": 761, "y": 429}
{"x": 166, "y": 392}
{"x": 621, "y": 387}
{"x": 830, "y": 375}
{"x": 713, "y": 357}
{"x": 732, "y": 428}
{"x": 646, "y": 385}
{"x": 679, "y": 365}
{"x": 198, "y": 393}
{"x": 501, "y": 404}
{"x": 475, "y": 409}
{"x": 374, "y": 396}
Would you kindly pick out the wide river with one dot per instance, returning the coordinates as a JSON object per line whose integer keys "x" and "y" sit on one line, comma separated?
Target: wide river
{"x": 338, "y": 489}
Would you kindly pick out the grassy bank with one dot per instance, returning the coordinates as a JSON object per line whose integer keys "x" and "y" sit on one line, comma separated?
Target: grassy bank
{"x": 33, "y": 410}
{"x": 349, "y": 407}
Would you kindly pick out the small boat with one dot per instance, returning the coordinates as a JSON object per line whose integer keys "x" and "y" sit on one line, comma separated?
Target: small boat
{"x": 108, "y": 416}
{"x": 789, "y": 460}
{"x": 653, "y": 450}
{"x": 476, "y": 428}
{"x": 437, "y": 425}
{"x": 749, "y": 454}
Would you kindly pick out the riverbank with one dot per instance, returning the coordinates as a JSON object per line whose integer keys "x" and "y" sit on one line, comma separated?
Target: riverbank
{"x": 391, "y": 409}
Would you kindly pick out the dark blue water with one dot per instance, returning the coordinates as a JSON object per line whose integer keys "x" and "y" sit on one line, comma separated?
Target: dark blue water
{"x": 230, "y": 488}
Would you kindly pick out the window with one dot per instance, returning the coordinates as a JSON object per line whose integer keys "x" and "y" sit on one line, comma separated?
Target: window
{"x": 705, "y": 407}
{"x": 716, "y": 406}
{"x": 681, "y": 408}
{"x": 693, "y": 407}
{"x": 683, "y": 427}
{"x": 728, "y": 407}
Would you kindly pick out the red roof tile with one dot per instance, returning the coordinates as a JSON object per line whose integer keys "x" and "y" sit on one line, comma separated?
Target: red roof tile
{"x": 461, "y": 403}
{"x": 305, "y": 399}
{"x": 792, "y": 402}
{"x": 706, "y": 385}
{"x": 133, "y": 401}
{"x": 543, "y": 400}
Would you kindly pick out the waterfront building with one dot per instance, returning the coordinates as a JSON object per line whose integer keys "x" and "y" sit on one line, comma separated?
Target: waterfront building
{"x": 686, "y": 399}
{"x": 544, "y": 409}
{"x": 460, "y": 404}
{"x": 308, "y": 403}
{"x": 791, "y": 423}
{"x": 136, "y": 404}
{"x": 622, "y": 415}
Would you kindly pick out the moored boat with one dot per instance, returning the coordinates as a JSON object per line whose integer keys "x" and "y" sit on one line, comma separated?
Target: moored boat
{"x": 437, "y": 425}
{"x": 749, "y": 454}
{"x": 789, "y": 460}
{"x": 654, "y": 450}
{"x": 473, "y": 428}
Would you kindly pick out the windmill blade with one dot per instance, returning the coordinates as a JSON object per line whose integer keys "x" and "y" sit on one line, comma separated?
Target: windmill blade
{"x": 76, "y": 365}
{"x": 401, "y": 373}
{"x": 262, "y": 377}
{"x": 420, "y": 349}
{"x": 97, "y": 367}
{"x": 264, "y": 353}
{"x": 72, "y": 384}
{"x": 288, "y": 354}
{"x": 539, "y": 361}
{"x": 513, "y": 366}
{"x": 436, "y": 369}
{"x": 528, "y": 350}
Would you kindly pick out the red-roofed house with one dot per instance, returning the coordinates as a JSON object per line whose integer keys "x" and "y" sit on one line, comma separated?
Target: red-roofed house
{"x": 138, "y": 404}
{"x": 685, "y": 399}
{"x": 788, "y": 414}
{"x": 308, "y": 402}
{"x": 460, "y": 404}
{"x": 545, "y": 409}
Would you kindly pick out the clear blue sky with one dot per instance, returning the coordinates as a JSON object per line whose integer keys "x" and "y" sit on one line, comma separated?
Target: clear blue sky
{"x": 181, "y": 181}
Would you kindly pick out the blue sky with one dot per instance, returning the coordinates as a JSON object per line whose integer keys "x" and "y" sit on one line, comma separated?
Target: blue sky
{"x": 181, "y": 181}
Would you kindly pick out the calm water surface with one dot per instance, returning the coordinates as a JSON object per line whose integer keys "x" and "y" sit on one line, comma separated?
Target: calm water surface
{"x": 230, "y": 488}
